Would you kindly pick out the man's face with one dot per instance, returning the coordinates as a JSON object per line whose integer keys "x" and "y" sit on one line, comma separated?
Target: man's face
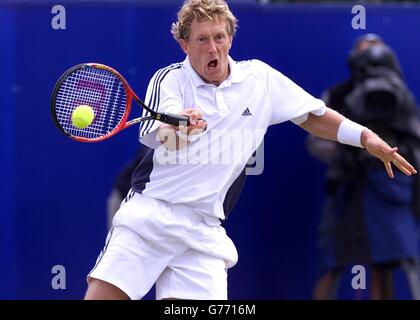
{"x": 364, "y": 44}
{"x": 208, "y": 48}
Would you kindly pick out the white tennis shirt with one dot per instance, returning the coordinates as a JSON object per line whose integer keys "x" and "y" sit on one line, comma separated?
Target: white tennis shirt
{"x": 238, "y": 112}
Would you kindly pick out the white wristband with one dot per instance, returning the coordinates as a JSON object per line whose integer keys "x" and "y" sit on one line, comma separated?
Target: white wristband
{"x": 350, "y": 133}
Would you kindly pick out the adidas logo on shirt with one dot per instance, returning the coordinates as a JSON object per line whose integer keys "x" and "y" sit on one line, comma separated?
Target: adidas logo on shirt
{"x": 247, "y": 112}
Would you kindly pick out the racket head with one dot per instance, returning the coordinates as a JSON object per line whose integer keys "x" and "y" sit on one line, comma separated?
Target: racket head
{"x": 103, "y": 89}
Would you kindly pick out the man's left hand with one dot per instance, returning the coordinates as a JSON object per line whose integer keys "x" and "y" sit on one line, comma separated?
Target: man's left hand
{"x": 381, "y": 150}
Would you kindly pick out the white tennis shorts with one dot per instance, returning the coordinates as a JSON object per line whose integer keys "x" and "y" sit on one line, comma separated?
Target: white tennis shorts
{"x": 152, "y": 241}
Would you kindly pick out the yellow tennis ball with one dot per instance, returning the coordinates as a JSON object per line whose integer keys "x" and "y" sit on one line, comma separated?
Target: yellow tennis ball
{"x": 82, "y": 116}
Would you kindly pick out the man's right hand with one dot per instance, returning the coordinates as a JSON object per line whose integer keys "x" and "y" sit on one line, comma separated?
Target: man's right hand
{"x": 176, "y": 137}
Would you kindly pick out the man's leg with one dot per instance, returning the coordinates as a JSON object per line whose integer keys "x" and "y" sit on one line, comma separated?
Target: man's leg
{"x": 101, "y": 290}
{"x": 327, "y": 285}
{"x": 382, "y": 286}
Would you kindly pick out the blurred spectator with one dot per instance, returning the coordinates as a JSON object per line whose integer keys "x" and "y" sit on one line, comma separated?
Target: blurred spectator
{"x": 122, "y": 185}
{"x": 368, "y": 218}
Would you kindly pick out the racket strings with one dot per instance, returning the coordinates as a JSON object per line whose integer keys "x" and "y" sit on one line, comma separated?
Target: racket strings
{"x": 98, "y": 88}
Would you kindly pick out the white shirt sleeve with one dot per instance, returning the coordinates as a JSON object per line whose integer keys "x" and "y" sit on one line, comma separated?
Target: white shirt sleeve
{"x": 288, "y": 100}
{"x": 164, "y": 95}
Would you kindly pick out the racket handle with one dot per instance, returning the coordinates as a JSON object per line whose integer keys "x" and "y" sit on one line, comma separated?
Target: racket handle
{"x": 173, "y": 119}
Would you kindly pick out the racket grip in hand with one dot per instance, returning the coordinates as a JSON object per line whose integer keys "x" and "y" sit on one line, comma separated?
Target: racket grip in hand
{"x": 174, "y": 119}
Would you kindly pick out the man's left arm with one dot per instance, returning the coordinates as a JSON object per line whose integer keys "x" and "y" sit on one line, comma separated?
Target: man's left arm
{"x": 333, "y": 126}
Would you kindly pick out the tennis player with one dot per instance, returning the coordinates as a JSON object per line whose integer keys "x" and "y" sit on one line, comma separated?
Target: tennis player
{"x": 168, "y": 229}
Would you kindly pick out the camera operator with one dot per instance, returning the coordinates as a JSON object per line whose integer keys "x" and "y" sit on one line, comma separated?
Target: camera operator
{"x": 369, "y": 219}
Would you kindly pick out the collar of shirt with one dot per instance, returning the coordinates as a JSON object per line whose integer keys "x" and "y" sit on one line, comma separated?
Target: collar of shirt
{"x": 235, "y": 74}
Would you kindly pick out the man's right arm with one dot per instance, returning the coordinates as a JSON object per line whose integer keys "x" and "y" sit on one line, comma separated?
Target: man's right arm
{"x": 163, "y": 95}
{"x": 176, "y": 138}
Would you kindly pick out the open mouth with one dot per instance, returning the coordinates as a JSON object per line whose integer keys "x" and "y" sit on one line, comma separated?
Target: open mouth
{"x": 212, "y": 64}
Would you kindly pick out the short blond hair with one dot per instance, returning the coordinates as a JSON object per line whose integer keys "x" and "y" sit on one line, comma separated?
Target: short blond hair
{"x": 202, "y": 10}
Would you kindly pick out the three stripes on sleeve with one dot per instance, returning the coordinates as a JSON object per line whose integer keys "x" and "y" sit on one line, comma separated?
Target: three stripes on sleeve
{"x": 153, "y": 99}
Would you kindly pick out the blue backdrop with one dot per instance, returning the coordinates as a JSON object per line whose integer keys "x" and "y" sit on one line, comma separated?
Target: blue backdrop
{"x": 53, "y": 190}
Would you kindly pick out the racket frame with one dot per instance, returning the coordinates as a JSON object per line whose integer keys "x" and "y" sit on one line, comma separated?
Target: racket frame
{"x": 130, "y": 95}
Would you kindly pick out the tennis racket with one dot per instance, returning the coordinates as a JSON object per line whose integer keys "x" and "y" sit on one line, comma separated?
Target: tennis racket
{"x": 109, "y": 95}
